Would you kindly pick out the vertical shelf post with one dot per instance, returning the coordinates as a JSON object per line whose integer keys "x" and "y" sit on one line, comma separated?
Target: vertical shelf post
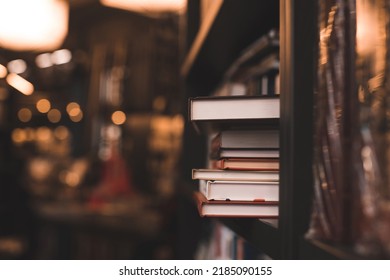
{"x": 298, "y": 37}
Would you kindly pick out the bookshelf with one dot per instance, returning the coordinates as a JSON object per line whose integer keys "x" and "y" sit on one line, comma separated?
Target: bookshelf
{"x": 215, "y": 42}
{"x": 226, "y": 30}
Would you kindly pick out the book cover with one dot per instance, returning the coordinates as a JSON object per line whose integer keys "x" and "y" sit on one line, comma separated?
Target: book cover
{"x": 239, "y": 190}
{"x": 235, "y": 175}
{"x": 246, "y": 139}
{"x": 217, "y": 208}
{"x": 244, "y": 153}
{"x": 209, "y": 113}
{"x": 246, "y": 164}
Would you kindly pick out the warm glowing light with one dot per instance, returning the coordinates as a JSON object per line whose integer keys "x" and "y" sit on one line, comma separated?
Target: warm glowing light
{"x": 20, "y": 84}
{"x": 17, "y": 66}
{"x": 178, "y": 123}
{"x": 27, "y": 25}
{"x": 371, "y": 33}
{"x": 76, "y": 117}
{"x": 61, "y": 133}
{"x": 147, "y": 5}
{"x": 54, "y": 116}
{"x": 43, "y": 105}
{"x": 71, "y": 106}
{"x": 365, "y": 29}
{"x": 74, "y": 112}
{"x": 70, "y": 178}
{"x": 19, "y": 136}
{"x": 118, "y": 117}
{"x": 24, "y": 115}
{"x": 3, "y": 71}
{"x": 43, "y": 134}
{"x": 43, "y": 60}
{"x": 30, "y": 134}
{"x": 40, "y": 168}
{"x": 61, "y": 56}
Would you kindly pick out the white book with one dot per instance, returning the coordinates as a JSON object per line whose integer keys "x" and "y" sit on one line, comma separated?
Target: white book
{"x": 248, "y": 153}
{"x": 234, "y": 208}
{"x": 239, "y": 190}
{"x": 235, "y": 175}
{"x": 247, "y": 139}
{"x": 234, "y": 108}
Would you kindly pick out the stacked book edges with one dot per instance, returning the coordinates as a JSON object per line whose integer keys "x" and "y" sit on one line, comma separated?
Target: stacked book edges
{"x": 245, "y": 144}
{"x": 220, "y": 208}
{"x": 237, "y": 193}
{"x": 215, "y": 113}
{"x": 243, "y": 175}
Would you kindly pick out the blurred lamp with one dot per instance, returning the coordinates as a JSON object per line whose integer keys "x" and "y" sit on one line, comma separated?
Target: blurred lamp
{"x": 17, "y": 66}
{"x": 27, "y": 25}
{"x": 19, "y": 83}
{"x": 3, "y": 71}
{"x": 147, "y": 5}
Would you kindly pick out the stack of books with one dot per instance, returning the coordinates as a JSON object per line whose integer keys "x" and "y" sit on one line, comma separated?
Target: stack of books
{"x": 242, "y": 178}
{"x": 243, "y": 149}
{"x": 242, "y": 127}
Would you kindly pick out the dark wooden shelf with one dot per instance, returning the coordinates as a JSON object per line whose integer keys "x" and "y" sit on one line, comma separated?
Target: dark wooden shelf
{"x": 232, "y": 27}
{"x": 315, "y": 249}
{"x": 263, "y": 235}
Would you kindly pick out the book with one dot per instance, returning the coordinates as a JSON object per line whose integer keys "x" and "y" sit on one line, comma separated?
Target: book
{"x": 239, "y": 190}
{"x": 206, "y": 108}
{"x": 216, "y": 113}
{"x": 235, "y": 175}
{"x": 246, "y": 164}
{"x": 235, "y": 208}
{"x": 244, "y": 153}
{"x": 246, "y": 139}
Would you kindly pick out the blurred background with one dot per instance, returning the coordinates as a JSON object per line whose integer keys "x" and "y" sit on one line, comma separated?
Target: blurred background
{"x": 91, "y": 125}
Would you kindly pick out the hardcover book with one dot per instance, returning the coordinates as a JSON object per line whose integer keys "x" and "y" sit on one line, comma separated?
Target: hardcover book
{"x": 215, "y": 112}
{"x": 217, "y": 208}
{"x": 239, "y": 190}
{"x": 246, "y": 139}
{"x": 244, "y": 153}
{"x": 235, "y": 175}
